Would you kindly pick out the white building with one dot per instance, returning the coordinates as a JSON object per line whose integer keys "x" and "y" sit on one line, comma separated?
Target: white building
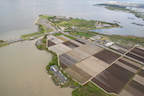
{"x": 109, "y": 44}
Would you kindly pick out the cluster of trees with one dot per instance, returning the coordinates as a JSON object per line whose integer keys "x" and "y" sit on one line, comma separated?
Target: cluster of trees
{"x": 39, "y": 47}
{"x": 1, "y": 41}
{"x": 43, "y": 45}
{"x": 51, "y": 17}
{"x": 83, "y": 23}
{"x": 54, "y": 61}
{"x": 42, "y": 28}
{"x": 89, "y": 90}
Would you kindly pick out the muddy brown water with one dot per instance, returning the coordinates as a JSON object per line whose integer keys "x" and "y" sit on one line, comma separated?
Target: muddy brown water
{"x": 23, "y": 73}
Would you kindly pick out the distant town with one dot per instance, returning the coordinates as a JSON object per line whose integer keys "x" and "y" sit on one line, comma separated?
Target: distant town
{"x": 137, "y": 9}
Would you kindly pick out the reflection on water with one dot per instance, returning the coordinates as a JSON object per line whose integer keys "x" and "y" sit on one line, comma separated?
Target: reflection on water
{"x": 22, "y": 66}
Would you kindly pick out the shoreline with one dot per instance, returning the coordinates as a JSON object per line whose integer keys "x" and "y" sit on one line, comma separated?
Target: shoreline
{"x": 121, "y": 9}
{"x": 39, "y": 34}
{"x": 36, "y": 21}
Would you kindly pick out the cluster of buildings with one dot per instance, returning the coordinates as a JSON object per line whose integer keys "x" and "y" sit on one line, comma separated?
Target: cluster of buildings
{"x": 134, "y": 7}
{"x": 121, "y": 3}
{"x": 115, "y": 71}
{"x": 98, "y": 24}
{"x": 57, "y": 73}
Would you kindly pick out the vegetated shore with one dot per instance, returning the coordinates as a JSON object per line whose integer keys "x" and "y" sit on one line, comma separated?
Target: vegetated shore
{"x": 79, "y": 90}
{"x": 116, "y": 7}
{"x": 23, "y": 71}
{"x": 88, "y": 88}
{"x": 137, "y": 14}
{"x": 73, "y": 24}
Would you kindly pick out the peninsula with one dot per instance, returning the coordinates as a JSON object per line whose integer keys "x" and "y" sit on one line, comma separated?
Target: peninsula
{"x": 76, "y": 27}
{"x": 91, "y": 63}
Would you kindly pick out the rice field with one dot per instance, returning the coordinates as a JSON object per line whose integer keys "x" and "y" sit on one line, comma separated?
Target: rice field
{"x": 136, "y": 86}
{"x": 106, "y": 56}
{"x": 70, "y": 44}
{"x": 87, "y": 62}
{"x": 115, "y": 77}
{"x": 137, "y": 54}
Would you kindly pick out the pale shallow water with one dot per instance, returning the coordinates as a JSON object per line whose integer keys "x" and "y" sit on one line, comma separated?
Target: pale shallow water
{"x": 17, "y": 17}
{"x": 23, "y": 73}
{"x": 22, "y": 66}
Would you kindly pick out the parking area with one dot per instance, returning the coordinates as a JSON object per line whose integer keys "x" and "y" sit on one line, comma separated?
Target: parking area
{"x": 57, "y": 73}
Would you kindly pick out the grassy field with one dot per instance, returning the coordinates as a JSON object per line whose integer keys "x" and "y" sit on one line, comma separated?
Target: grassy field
{"x": 83, "y": 23}
{"x": 89, "y": 90}
{"x": 129, "y": 38}
{"x": 3, "y": 45}
{"x": 85, "y": 34}
{"x": 57, "y": 34}
{"x": 75, "y": 23}
{"x": 65, "y": 24}
{"x": 47, "y": 17}
{"x": 31, "y": 35}
{"x": 43, "y": 16}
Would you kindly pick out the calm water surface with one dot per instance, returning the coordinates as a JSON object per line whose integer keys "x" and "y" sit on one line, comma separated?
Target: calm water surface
{"x": 23, "y": 73}
{"x": 17, "y": 16}
{"x": 22, "y": 66}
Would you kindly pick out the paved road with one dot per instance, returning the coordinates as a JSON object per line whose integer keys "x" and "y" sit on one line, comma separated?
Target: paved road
{"x": 47, "y": 24}
{"x": 94, "y": 43}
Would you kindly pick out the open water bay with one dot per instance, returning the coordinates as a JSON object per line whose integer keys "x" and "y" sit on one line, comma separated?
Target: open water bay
{"x": 22, "y": 66}
{"x": 17, "y": 17}
{"x": 23, "y": 73}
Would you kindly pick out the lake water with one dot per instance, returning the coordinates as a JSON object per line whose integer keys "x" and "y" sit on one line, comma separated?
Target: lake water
{"x": 23, "y": 73}
{"x": 17, "y": 16}
{"x": 22, "y": 66}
